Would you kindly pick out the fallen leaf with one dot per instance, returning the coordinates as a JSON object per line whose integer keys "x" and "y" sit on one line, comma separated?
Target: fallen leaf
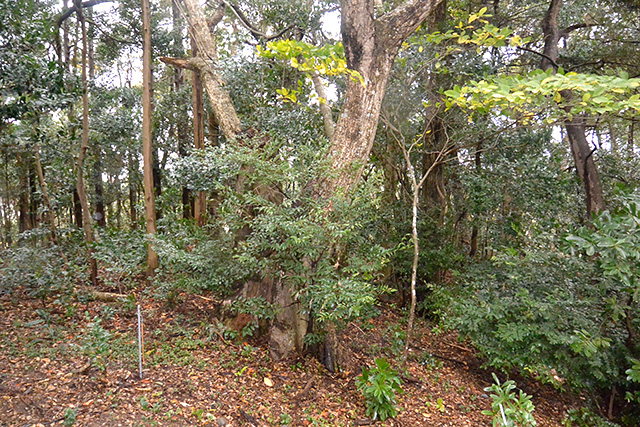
{"x": 268, "y": 382}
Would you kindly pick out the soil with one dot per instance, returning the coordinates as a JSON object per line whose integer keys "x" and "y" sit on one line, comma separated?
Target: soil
{"x": 60, "y": 365}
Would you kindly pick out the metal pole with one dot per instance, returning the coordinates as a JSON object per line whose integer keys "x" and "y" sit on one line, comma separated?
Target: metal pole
{"x": 140, "y": 338}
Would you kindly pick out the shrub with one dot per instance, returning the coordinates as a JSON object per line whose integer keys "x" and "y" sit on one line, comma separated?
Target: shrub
{"x": 272, "y": 225}
{"x": 509, "y": 409}
{"x": 38, "y": 269}
{"x": 379, "y": 386}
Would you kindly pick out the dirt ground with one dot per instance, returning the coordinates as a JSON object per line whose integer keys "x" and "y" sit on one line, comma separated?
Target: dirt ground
{"x": 72, "y": 363}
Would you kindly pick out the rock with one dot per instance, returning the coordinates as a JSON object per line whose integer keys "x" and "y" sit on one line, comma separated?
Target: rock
{"x": 222, "y": 421}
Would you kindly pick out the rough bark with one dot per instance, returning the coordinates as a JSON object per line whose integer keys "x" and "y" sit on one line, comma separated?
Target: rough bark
{"x": 133, "y": 195}
{"x": 147, "y": 149}
{"x": 100, "y": 214}
{"x": 219, "y": 98}
{"x": 198, "y": 132}
{"x": 180, "y": 129}
{"x": 45, "y": 194}
{"x": 371, "y": 45}
{"x": 325, "y": 108}
{"x": 576, "y": 127}
{"x": 82, "y": 195}
{"x": 77, "y": 209}
{"x": 24, "y": 207}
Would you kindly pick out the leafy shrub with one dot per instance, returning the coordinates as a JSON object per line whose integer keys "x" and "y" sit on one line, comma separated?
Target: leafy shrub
{"x": 122, "y": 254}
{"x": 38, "y": 269}
{"x": 95, "y": 342}
{"x": 584, "y": 417}
{"x": 268, "y": 223}
{"x": 379, "y": 386}
{"x": 537, "y": 311}
{"x": 569, "y": 318}
{"x": 507, "y": 408}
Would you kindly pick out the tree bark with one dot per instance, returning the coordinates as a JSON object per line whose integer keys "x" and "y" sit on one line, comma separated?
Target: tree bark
{"x": 219, "y": 98}
{"x": 100, "y": 215}
{"x": 147, "y": 149}
{"x": 24, "y": 207}
{"x": 371, "y": 45}
{"x": 45, "y": 194}
{"x": 325, "y": 108}
{"x": 133, "y": 199}
{"x": 88, "y": 232}
{"x": 198, "y": 132}
{"x": 576, "y": 127}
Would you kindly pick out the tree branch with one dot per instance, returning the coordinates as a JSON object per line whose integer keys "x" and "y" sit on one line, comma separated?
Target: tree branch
{"x": 566, "y": 31}
{"x": 217, "y": 17}
{"x": 255, "y": 32}
{"x": 68, "y": 12}
{"x": 179, "y": 62}
{"x": 399, "y": 23}
{"x": 548, "y": 58}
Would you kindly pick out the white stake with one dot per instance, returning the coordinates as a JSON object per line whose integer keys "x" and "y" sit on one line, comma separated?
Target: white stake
{"x": 140, "y": 339}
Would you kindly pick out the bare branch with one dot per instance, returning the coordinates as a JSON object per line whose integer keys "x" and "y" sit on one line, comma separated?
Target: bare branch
{"x": 68, "y": 12}
{"x": 548, "y": 58}
{"x": 255, "y": 32}
{"x": 400, "y": 22}
{"x": 566, "y": 31}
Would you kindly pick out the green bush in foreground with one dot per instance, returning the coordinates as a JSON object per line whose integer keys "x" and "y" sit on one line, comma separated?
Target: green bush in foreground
{"x": 379, "y": 386}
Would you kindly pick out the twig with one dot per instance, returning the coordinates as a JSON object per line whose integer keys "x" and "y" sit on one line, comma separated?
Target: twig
{"x": 248, "y": 417}
{"x": 305, "y": 390}
{"x": 459, "y": 347}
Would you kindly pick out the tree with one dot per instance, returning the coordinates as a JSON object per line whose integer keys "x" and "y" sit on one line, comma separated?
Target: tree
{"x": 576, "y": 132}
{"x": 371, "y": 44}
{"x": 147, "y": 149}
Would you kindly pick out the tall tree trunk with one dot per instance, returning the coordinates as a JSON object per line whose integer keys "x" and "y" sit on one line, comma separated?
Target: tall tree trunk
{"x": 77, "y": 209}
{"x": 180, "y": 129}
{"x": 219, "y": 98}
{"x": 325, "y": 108}
{"x": 45, "y": 194}
{"x": 24, "y": 219}
{"x": 198, "y": 132}
{"x": 371, "y": 45}
{"x": 88, "y": 232}
{"x": 7, "y": 201}
{"x": 34, "y": 200}
{"x": 133, "y": 199}
{"x": 100, "y": 215}
{"x": 576, "y": 127}
{"x": 147, "y": 149}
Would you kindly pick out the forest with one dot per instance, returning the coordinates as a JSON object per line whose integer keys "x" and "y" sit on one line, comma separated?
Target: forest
{"x": 320, "y": 213}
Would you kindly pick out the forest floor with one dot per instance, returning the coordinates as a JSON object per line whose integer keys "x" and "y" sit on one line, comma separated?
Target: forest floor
{"x": 70, "y": 363}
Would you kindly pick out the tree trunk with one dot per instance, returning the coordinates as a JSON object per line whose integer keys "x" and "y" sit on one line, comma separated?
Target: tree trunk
{"x": 219, "y": 98}
{"x": 181, "y": 130}
{"x": 147, "y": 149}
{"x": 576, "y": 129}
{"x": 7, "y": 201}
{"x": 77, "y": 209}
{"x": 45, "y": 195}
{"x": 371, "y": 45}
{"x": 24, "y": 207}
{"x": 133, "y": 199}
{"x": 198, "y": 132}
{"x": 100, "y": 215}
{"x": 82, "y": 196}
{"x": 325, "y": 108}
